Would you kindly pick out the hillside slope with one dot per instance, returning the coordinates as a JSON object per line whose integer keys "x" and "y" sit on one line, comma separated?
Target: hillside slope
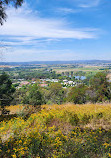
{"x": 74, "y": 131}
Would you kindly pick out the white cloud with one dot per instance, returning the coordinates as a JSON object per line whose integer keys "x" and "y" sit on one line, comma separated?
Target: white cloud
{"x": 39, "y": 55}
{"x": 24, "y": 26}
{"x": 33, "y": 54}
{"x": 41, "y": 28}
{"x": 66, "y": 10}
{"x": 88, "y": 3}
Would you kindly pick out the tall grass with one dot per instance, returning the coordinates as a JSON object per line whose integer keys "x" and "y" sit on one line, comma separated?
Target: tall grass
{"x": 74, "y": 131}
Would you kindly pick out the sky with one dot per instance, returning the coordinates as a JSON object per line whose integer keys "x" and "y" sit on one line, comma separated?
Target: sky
{"x": 57, "y": 30}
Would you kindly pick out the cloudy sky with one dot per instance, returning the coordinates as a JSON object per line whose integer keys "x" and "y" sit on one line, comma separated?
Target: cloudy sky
{"x": 52, "y": 30}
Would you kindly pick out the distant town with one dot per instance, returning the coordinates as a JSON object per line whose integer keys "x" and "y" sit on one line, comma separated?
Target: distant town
{"x": 68, "y": 73}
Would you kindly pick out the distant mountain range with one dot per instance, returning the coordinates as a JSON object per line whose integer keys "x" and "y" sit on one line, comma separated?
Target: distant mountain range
{"x": 57, "y": 62}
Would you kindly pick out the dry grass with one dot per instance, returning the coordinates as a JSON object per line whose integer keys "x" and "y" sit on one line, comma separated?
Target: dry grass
{"x": 14, "y": 109}
{"x": 99, "y": 114}
{"x": 58, "y": 131}
{"x": 90, "y": 115}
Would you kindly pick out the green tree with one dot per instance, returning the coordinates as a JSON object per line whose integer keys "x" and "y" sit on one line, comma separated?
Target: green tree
{"x": 72, "y": 73}
{"x": 101, "y": 87}
{"x": 19, "y": 96}
{"x": 77, "y": 94}
{"x": 56, "y": 93}
{"x": 6, "y": 91}
{"x": 33, "y": 96}
{"x": 4, "y": 4}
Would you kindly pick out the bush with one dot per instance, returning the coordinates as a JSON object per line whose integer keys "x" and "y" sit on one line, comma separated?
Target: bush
{"x": 86, "y": 119}
{"x": 33, "y": 96}
{"x": 74, "y": 120}
{"x": 78, "y": 94}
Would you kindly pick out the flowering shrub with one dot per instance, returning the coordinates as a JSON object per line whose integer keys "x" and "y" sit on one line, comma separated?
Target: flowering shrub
{"x": 74, "y": 131}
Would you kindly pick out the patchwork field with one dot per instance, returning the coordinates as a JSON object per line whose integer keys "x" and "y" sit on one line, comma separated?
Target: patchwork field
{"x": 84, "y": 69}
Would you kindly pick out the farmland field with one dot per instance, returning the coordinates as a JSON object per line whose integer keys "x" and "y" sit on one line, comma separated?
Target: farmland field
{"x": 89, "y": 69}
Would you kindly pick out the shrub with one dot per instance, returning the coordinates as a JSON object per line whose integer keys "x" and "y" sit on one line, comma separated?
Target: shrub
{"x": 86, "y": 119}
{"x": 74, "y": 120}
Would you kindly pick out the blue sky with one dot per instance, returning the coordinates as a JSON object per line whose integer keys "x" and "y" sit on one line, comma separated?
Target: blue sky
{"x": 44, "y": 30}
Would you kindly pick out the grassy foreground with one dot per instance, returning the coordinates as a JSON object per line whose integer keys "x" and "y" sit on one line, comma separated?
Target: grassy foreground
{"x": 58, "y": 131}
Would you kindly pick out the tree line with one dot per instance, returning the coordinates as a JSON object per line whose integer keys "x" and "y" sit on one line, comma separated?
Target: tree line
{"x": 98, "y": 90}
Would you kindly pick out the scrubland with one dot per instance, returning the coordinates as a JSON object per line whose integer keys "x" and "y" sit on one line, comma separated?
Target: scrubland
{"x": 57, "y": 131}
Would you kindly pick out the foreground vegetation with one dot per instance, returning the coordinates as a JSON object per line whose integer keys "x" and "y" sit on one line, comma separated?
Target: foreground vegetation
{"x": 34, "y": 130}
{"x": 75, "y": 131}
